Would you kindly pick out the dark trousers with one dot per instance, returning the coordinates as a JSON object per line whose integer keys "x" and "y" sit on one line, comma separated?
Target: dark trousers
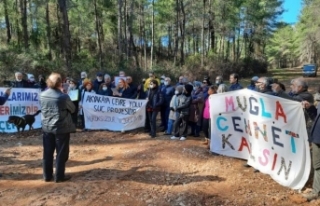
{"x": 316, "y": 167}
{"x": 165, "y": 111}
{"x": 183, "y": 121}
{"x": 153, "y": 120}
{"x": 147, "y": 123}
{"x": 60, "y": 143}
{"x": 195, "y": 128}
{"x": 206, "y": 128}
{"x": 82, "y": 122}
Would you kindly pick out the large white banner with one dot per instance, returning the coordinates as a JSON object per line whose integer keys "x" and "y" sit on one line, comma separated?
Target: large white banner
{"x": 21, "y": 102}
{"x": 111, "y": 113}
{"x": 268, "y": 131}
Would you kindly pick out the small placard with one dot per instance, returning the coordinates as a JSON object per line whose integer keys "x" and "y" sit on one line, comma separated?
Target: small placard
{"x": 74, "y": 95}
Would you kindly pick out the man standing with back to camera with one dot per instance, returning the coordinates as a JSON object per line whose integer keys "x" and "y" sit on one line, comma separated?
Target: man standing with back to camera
{"x": 56, "y": 110}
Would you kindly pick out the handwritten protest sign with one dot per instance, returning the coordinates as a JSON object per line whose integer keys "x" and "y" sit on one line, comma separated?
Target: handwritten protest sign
{"x": 20, "y": 102}
{"x": 268, "y": 131}
{"x": 117, "y": 79}
{"x": 115, "y": 114}
{"x": 74, "y": 95}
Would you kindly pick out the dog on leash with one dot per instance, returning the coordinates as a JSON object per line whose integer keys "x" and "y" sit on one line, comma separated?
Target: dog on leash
{"x": 22, "y": 122}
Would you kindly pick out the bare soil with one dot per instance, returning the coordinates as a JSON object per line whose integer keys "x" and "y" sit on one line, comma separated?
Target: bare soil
{"x": 112, "y": 168}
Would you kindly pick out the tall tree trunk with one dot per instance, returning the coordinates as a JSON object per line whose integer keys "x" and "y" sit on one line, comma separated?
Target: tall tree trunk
{"x": 183, "y": 29}
{"x": 169, "y": 41}
{"x": 144, "y": 38}
{"x": 6, "y": 16}
{"x": 17, "y": 23}
{"x": 202, "y": 32}
{"x": 48, "y": 28}
{"x": 176, "y": 34}
{"x": 120, "y": 29}
{"x": 97, "y": 18}
{"x": 66, "y": 35}
{"x": 24, "y": 23}
{"x": 152, "y": 36}
{"x": 126, "y": 28}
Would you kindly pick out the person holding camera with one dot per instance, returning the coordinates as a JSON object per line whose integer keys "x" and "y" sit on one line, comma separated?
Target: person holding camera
{"x": 57, "y": 124}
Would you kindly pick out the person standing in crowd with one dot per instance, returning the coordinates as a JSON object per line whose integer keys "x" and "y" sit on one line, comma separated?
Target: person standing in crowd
{"x": 73, "y": 87}
{"x": 87, "y": 87}
{"x": 167, "y": 92}
{"x": 263, "y": 86}
{"x": 222, "y": 88}
{"x": 56, "y": 110}
{"x": 155, "y": 101}
{"x": 173, "y": 115}
{"x": 219, "y": 80}
{"x": 234, "y": 81}
{"x": 196, "y": 109}
{"x": 133, "y": 90}
{"x": 122, "y": 74}
{"x": 183, "y": 108}
{"x": 97, "y": 82}
{"x": 181, "y": 81}
{"x": 206, "y": 116}
{"x": 252, "y": 85}
{"x": 315, "y": 144}
{"x": 83, "y": 76}
{"x": 42, "y": 83}
{"x": 31, "y": 81}
{"x": 152, "y": 76}
{"x": 19, "y": 81}
{"x": 107, "y": 81}
{"x": 122, "y": 90}
{"x": 205, "y": 87}
{"x": 141, "y": 93}
{"x": 105, "y": 90}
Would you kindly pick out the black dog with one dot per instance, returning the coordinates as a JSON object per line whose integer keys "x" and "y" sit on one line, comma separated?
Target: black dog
{"x": 21, "y": 122}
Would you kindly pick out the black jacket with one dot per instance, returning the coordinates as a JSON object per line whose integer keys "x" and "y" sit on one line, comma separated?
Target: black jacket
{"x": 108, "y": 92}
{"x": 155, "y": 99}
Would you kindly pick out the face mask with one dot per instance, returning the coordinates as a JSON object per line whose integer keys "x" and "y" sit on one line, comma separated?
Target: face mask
{"x": 71, "y": 86}
{"x": 99, "y": 79}
{"x": 104, "y": 88}
{"x": 151, "y": 86}
{"x": 121, "y": 75}
{"x": 31, "y": 79}
{"x": 18, "y": 80}
{"x": 176, "y": 92}
{"x": 162, "y": 81}
{"x": 82, "y": 78}
{"x": 166, "y": 83}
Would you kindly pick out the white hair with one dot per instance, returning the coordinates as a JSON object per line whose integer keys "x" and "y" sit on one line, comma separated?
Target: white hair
{"x": 17, "y": 73}
{"x": 107, "y": 76}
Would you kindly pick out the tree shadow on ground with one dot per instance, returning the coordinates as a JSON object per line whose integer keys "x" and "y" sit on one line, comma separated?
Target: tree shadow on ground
{"x": 142, "y": 174}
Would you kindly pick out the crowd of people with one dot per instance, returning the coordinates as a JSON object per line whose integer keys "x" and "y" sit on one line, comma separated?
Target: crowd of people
{"x": 184, "y": 107}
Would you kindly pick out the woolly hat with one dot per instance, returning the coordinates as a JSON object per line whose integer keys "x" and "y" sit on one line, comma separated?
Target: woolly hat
{"x": 188, "y": 88}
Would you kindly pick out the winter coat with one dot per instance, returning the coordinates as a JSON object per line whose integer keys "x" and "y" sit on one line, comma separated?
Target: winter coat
{"x": 155, "y": 100}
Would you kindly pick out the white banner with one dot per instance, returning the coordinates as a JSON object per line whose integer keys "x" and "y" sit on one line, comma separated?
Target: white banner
{"x": 111, "y": 113}
{"x": 20, "y": 103}
{"x": 268, "y": 131}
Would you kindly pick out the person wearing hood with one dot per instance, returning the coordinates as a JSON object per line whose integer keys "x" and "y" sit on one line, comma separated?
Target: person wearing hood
{"x": 19, "y": 81}
{"x": 196, "y": 109}
{"x": 155, "y": 101}
{"x": 32, "y": 81}
{"x": 42, "y": 83}
{"x": 252, "y": 85}
{"x": 183, "y": 108}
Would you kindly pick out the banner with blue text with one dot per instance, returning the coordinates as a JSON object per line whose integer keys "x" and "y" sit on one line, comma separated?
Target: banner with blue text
{"x": 20, "y": 103}
{"x": 111, "y": 113}
{"x": 268, "y": 131}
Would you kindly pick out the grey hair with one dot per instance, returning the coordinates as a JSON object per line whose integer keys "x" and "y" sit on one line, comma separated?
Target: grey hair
{"x": 265, "y": 81}
{"x": 15, "y": 74}
{"x": 222, "y": 88}
{"x": 301, "y": 82}
{"x": 168, "y": 78}
{"x": 180, "y": 88}
{"x": 107, "y": 76}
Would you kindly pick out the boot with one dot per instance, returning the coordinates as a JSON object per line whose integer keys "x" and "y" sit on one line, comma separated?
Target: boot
{"x": 205, "y": 141}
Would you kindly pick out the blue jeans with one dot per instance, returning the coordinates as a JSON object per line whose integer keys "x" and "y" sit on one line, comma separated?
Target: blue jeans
{"x": 170, "y": 126}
